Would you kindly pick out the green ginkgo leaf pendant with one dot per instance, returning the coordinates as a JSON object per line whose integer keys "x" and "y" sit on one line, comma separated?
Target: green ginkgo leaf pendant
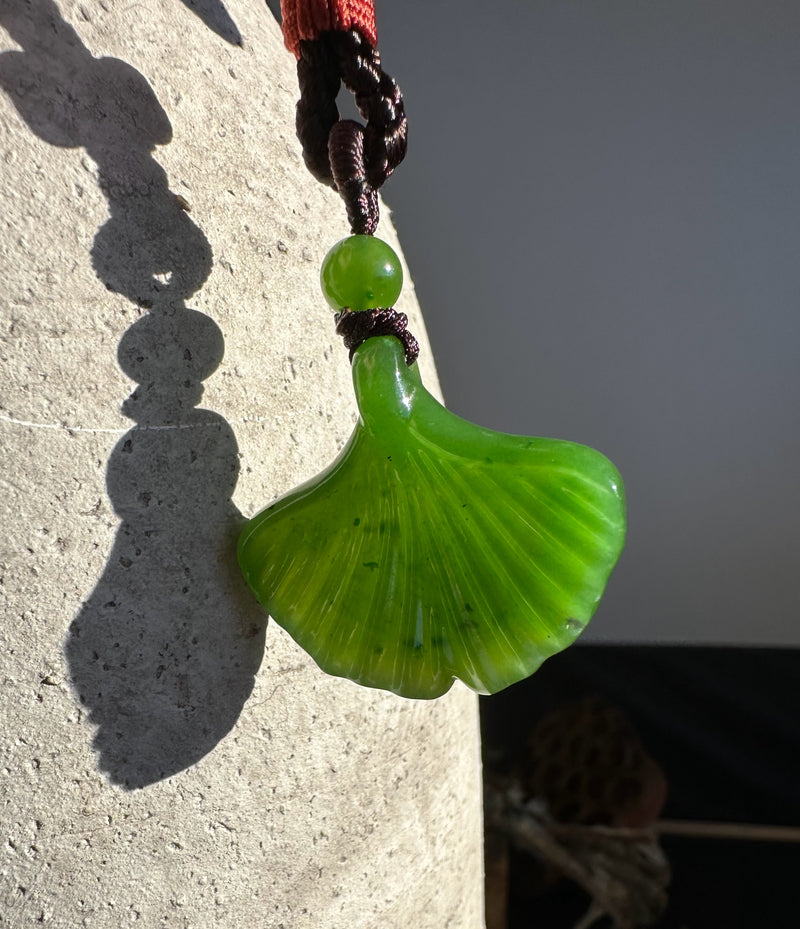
{"x": 434, "y": 549}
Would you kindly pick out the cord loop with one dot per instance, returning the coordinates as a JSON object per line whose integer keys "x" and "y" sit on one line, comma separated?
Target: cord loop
{"x": 355, "y": 163}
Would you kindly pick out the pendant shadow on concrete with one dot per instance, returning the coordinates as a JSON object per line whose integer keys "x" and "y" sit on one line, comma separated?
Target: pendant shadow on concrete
{"x": 164, "y": 651}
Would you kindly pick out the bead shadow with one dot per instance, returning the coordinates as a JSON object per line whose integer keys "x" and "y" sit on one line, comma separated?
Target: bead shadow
{"x": 164, "y": 651}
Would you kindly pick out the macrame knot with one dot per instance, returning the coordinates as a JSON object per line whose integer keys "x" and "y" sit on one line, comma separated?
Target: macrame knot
{"x": 356, "y": 326}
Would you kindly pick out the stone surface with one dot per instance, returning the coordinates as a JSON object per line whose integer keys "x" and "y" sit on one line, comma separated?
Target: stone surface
{"x": 167, "y": 756}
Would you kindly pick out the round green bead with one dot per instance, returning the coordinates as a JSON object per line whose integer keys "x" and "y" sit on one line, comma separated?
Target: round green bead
{"x": 362, "y": 273}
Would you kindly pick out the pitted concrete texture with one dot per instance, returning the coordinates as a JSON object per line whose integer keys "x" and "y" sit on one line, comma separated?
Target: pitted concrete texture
{"x": 170, "y": 758}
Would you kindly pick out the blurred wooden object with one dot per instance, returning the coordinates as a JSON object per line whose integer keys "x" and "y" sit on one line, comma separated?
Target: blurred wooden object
{"x": 583, "y": 800}
{"x": 623, "y": 870}
{"x": 748, "y": 832}
{"x": 587, "y": 763}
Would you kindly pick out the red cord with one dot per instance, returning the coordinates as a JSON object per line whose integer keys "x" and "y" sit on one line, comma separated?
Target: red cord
{"x": 306, "y": 19}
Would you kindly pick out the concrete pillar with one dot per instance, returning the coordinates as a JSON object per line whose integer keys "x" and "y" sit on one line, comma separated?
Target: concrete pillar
{"x": 167, "y": 756}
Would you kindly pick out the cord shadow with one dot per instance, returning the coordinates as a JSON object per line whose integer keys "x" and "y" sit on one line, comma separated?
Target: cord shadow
{"x": 164, "y": 651}
{"x": 217, "y": 18}
{"x": 274, "y": 7}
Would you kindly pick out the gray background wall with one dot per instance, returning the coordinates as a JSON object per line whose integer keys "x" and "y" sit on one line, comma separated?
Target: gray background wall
{"x": 601, "y": 211}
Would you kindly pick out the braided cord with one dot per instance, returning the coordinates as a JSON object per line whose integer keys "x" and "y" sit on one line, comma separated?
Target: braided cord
{"x": 356, "y": 160}
{"x": 334, "y": 42}
{"x": 356, "y": 327}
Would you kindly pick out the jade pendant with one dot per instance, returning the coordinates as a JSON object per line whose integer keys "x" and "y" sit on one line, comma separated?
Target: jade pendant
{"x": 434, "y": 549}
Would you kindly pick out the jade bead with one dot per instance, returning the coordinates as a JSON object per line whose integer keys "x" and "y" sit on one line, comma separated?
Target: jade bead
{"x": 361, "y": 273}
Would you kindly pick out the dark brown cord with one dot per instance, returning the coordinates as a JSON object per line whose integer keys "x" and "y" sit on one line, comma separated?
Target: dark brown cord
{"x": 380, "y": 103}
{"x": 356, "y": 326}
{"x": 317, "y": 113}
{"x": 346, "y": 157}
{"x": 356, "y": 160}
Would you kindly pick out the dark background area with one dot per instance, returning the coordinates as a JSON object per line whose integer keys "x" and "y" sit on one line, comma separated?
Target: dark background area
{"x": 722, "y": 725}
